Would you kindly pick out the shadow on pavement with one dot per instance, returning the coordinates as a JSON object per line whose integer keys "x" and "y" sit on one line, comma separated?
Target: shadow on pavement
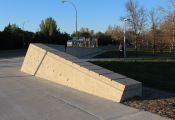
{"x": 12, "y": 53}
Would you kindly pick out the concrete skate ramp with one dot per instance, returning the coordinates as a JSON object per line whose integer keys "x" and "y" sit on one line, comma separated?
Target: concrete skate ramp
{"x": 59, "y": 67}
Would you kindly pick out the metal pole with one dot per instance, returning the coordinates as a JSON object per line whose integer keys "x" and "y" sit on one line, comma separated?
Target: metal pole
{"x": 173, "y": 35}
{"x": 173, "y": 40}
{"x": 124, "y": 43}
{"x": 23, "y": 34}
{"x": 76, "y": 16}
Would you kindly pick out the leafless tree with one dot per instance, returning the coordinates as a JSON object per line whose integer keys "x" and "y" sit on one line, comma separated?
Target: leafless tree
{"x": 169, "y": 14}
{"x": 166, "y": 27}
{"x": 116, "y": 33}
{"x": 138, "y": 17}
{"x": 155, "y": 22}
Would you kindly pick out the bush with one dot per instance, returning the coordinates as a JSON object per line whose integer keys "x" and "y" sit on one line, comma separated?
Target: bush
{"x": 10, "y": 41}
{"x": 104, "y": 39}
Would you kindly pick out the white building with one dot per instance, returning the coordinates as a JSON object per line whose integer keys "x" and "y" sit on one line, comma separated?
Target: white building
{"x": 82, "y": 42}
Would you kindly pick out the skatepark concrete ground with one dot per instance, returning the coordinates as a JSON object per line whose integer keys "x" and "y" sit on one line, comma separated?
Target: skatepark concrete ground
{"x": 25, "y": 97}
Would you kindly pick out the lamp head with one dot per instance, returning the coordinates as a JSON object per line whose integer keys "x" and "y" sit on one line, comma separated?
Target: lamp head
{"x": 127, "y": 19}
{"x": 63, "y": 1}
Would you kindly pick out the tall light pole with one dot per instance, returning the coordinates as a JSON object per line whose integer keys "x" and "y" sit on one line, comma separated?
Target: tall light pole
{"x": 76, "y": 15}
{"x": 173, "y": 34}
{"x": 23, "y": 32}
{"x": 124, "y": 41}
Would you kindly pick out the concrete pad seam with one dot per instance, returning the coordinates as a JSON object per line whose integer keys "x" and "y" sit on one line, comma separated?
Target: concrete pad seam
{"x": 121, "y": 116}
{"x": 76, "y": 107}
{"x": 15, "y": 76}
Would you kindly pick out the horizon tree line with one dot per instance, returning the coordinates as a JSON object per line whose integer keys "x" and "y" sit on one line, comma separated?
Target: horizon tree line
{"x": 153, "y": 29}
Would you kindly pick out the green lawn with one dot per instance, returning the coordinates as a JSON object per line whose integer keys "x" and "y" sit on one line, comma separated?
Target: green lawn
{"x": 155, "y": 74}
{"x": 131, "y": 53}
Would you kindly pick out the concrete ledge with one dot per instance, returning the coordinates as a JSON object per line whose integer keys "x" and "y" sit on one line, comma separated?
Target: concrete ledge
{"x": 33, "y": 59}
{"x": 48, "y": 63}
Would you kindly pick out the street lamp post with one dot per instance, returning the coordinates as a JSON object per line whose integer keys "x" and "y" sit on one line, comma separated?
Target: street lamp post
{"x": 173, "y": 34}
{"x": 76, "y": 14}
{"x": 23, "y": 32}
{"x": 124, "y": 41}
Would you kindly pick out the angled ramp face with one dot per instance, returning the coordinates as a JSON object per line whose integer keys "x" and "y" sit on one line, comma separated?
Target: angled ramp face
{"x": 67, "y": 70}
{"x": 33, "y": 59}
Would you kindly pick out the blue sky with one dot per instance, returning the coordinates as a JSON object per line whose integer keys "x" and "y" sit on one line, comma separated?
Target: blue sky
{"x": 94, "y": 14}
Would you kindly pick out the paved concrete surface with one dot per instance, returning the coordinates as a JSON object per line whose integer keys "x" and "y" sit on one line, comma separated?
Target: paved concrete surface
{"x": 24, "y": 97}
{"x": 12, "y": 53}
{"x": 126, "y": 59}
{"x": 75, "y": 51}
{"x": 83, "y": 52}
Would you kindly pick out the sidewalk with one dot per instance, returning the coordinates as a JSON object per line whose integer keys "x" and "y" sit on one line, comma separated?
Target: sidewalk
{"x": 125, "y": 59}
{"x": 25, "y": 97}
